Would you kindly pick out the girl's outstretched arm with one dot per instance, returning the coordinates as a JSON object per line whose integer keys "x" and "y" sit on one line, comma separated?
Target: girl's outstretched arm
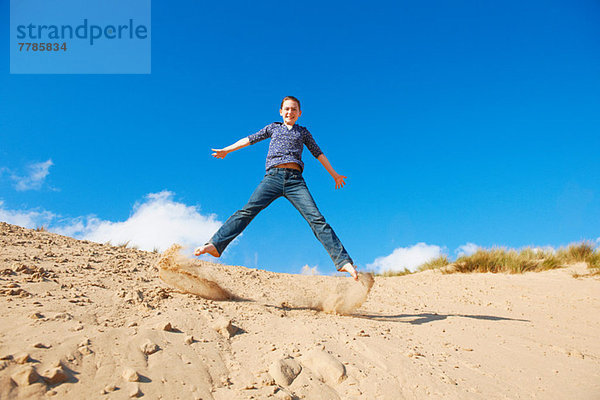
{"x": 339, "y": 179}
{"x": 221, "y": 153}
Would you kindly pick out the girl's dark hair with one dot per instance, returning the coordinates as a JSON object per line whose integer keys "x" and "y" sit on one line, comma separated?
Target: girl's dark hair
{"x": 289, "y": 98}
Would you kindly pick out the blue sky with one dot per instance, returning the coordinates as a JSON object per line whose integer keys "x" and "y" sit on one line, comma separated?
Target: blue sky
{"x": 455, "y": 122}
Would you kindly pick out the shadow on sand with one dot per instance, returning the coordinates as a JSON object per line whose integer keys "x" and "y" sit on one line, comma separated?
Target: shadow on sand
{"x": 425, "y": 318}
{"x": 413, "y": 319}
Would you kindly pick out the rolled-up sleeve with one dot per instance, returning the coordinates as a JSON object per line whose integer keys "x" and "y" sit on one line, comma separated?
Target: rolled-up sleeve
{"x": 263, "y": 134}
{"x": 310, "y": 143}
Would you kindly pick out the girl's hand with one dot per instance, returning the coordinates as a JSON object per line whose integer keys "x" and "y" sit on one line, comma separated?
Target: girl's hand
{"x": 339, "y": 181}
{"x": 219, "y": 153}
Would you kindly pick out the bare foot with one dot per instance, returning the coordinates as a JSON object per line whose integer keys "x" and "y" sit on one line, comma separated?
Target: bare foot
{"x": 207, "y": 248}
{"x": 349, "y": 268}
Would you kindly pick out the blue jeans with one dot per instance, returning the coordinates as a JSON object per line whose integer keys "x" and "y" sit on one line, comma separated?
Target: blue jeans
{"x": 288, "y": 183}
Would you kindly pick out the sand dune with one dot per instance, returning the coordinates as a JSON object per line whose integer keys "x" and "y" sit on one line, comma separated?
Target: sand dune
{"x": 82, "y": 320}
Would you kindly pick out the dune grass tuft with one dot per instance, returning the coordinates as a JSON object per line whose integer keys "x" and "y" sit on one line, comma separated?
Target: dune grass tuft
{"x": 500, "y": 259}
{"x": 528, "y": 259}
{"x": 593, "y": 263}
{"x": 581, "y": 252}
{"x": 389, "y": 273}
{"x": 511, "y": 261}
{"x": 127, "y": 245}
{"x": 436, "y": 263}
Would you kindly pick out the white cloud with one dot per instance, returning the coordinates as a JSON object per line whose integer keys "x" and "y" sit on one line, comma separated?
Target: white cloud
{"x": 466, "y": 249}
{"x": 27, "y": 218}
{"x": 36, "y": 174}
{"x": 155, "y": 223}
{"x": 406, "y": 257}
{"x": 306, "y": 270}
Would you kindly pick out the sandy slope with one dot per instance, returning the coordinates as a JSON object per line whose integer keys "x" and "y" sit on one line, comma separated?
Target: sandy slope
{"x": 94, "y": 311}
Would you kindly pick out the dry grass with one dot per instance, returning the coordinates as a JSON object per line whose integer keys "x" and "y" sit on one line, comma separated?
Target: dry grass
{"x": 387, "y": 274}
{"x": 594, "y": 264}
{"x": 528, "y": 259}
{"x": 127, "y": 245}
{"x": 582, "y": 252}
{"x": 436, "y": 263}
{"x": 499, "y": 259}
{"x": 509, "y": 261}
{"x": 41, "y": 229}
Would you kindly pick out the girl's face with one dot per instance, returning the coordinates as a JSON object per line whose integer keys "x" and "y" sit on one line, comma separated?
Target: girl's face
{"x": 290, "y": 112}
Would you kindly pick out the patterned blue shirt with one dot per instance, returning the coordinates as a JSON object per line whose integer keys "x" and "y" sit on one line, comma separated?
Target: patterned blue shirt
{"x": 286, "y": 144}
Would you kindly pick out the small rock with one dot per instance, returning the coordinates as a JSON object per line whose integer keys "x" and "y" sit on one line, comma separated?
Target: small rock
{"x": 36, "y": 315}
{"x": 134, "y": 297}
{"x": 130, "y": 375}
{"x": 55, "y": 376}
{"x": 148, "y": 347}
{"x": 19, "y": 292}
{"x": 282, "y": 394}
{"x": 6, "y": 357}
{"x": 267, "y": 380}
{"x": 271, "y": 390}
{"x": 85, "y": 350}
{"x": 25, "y": 376}
{"x": 226, "y": 381}
{"x": 135, "y": 391}
{"x": 284, "y": 371}
{"x": 42, "y": 346}
{"x": 63, "y": 316}
{"x": 21, "y": 358}
{"x": 110, "y": 388}
{"x": 225, "y": 327}
{"x": 326, "y": 366}
{"x": 189, "y": 340}
{"x": 167, "y": 327}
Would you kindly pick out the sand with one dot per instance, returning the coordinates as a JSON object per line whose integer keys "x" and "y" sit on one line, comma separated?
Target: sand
{"x": 182, "y": 273}
{"x": 82, "y": 320}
